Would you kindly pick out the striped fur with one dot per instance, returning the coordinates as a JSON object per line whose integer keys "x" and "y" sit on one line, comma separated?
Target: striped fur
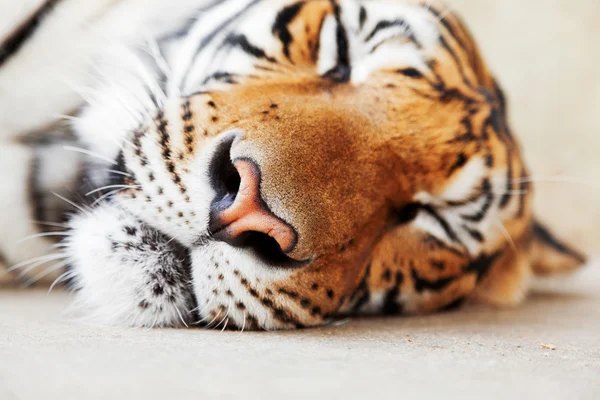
{"x": 378, "y": 132}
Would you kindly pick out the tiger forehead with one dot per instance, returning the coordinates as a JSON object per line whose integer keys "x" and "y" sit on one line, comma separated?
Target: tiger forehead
{"x": 310, "y": 31}
{"x": 344, "y": 41}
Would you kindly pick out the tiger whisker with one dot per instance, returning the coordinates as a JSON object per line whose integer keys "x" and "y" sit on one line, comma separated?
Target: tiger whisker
{"x": 155, "y": 91}
{"x": 149, "y": 103}
{"x": 112, "y": 171}
{"x": 82, "y": 91}
{"x": 501, "y": 226}
{"x": 445, "y": 13}
{"x": 225, "y": 326}
{"x": 153, "y": 325}
{"x": 181, "y": 317}
{"x": 502, "y": 193}
{"x": 43, "y": 259}
{"x": 104, "y": 196}
{"x": 113, "y": 187}
{"x": 506, "y": 234}
{"x": 90, "y": 153}
{"x": 31, "y": 268}
{"x": 47, "y": 223}
{"x": 225, "y": 317}
{"x": 159, "y": 58}
{"x": 558, "y": 179}
{"x": 198, "y": 308}
{"x": 45, "y": 273}
{"x": 41, "y": 235}
{"x": 66, "y": 117}
{"x": 206, "y": 306}
{"x": 61, "y": 278}
{"x": 212, "y": 320}
{"x": 80, "y": 208}
{"x": 136, "y": 115}
{"x": 243, "y": 322}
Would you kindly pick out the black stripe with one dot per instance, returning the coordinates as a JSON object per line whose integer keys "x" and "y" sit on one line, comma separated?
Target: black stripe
{"x": 277, "y": 312}
{"x": 410, "y": 72}
{"x": 432, "y": 240}
{"x": 341, "y": 37}
{"x": 241, "y": 42}
{"x": 461, "y": 160}
{"x": 382, "y": 25}
{"x": 486, "y": 190}
{"x": 472, "y": 198}
{"x": 501, "y": 98}
{"x": 391, "y": 305}
{"x": 3, "y": 260}
{"x": 165, "y": 144}
{"x": 442, "y": 20}
{"x": 454, "y": 305}
{"x": 459, "y": 65}
{"x": 280, "y": 26}
{"x": 438, "y": 265}
{"x": 475, "y": 234}
{"x": 482, "y": 265}
{"x": 422, "y": 285}
{"x": 468, "y": 136}
{"x": 342, "y": 71}
{"x": 362, "y": 17}
{"x": 362, "y": 290}
{"x": 509, "y": 181}
{"x": 543, "y": 235}
{"x": 208, "y": 38}
{"x": 497, "y": 120}
{"x": 118, "y": 179}
{"x": 36, "y": 196}
{"x": 221, "y": 76}
{"x": 443, "y": 223}
{"x": 523, "y": 188}
{"x": 15, "y": 41}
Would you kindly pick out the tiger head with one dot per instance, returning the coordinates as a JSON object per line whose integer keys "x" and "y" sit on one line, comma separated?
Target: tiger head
{"x": 319, "y": 158}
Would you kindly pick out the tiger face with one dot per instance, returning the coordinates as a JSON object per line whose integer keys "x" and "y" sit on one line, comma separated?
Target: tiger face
{"x": 304, "y": 160}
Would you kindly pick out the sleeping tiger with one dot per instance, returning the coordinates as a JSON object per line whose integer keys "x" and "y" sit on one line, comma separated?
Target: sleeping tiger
{"x": 261, "y": 164}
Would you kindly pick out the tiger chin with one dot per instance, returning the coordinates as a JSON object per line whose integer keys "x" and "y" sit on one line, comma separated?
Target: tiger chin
{"x": 290, "y": 162}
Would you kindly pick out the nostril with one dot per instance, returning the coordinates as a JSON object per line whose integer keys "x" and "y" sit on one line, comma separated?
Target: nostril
{"x": 225, "y": 178}
{"x": 232, "y": 181}
{"x": 265, "y": 248}
{"x": 239, "y": 215}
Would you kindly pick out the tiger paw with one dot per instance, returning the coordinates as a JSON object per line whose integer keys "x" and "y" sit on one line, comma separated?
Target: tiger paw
{"x": 127, "y": 273}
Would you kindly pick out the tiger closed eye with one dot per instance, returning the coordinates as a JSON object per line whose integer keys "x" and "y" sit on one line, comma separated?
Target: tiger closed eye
{"x": 411, "y": 73}
{"x": 407, "y": 213}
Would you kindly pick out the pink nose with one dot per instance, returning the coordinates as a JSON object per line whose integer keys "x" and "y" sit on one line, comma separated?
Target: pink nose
{"x": 249, "y": 213}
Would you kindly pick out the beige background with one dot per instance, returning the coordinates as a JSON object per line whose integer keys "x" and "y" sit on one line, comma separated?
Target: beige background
{"x": 546, "y": 55}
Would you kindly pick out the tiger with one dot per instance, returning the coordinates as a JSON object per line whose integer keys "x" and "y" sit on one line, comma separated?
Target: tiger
{"x": 263, "y": 164}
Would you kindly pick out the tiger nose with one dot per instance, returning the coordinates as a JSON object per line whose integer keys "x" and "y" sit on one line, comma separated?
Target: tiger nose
{"x": 239, "y": 209}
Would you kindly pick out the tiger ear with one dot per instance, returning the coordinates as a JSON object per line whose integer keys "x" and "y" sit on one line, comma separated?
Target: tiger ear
{"x": 550, "y": 255}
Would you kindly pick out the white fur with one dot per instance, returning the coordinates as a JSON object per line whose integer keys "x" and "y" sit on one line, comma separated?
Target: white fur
{"x": 116, "y": 283}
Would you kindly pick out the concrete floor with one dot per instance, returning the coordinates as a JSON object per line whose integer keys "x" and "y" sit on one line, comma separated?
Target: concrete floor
{"x": 472, "y": 353}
